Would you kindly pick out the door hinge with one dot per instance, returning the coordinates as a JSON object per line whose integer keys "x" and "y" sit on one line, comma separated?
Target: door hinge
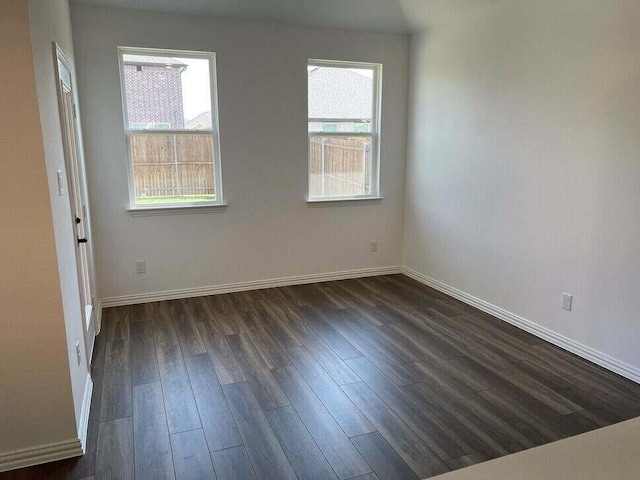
{"x": 75, "y": 115}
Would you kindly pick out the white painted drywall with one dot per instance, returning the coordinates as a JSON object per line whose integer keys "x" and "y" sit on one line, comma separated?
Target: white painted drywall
{"x": 50, "y": 22}
{"x": 523, "y": 169}
{"x": 36, "y": 403}
{"x": 268, "y": 230}
{"x": 372, "y": 15}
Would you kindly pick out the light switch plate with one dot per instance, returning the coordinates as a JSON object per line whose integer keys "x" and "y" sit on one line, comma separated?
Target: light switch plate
{"x": 566, "y": 301}
{"x": 60, "y": 176}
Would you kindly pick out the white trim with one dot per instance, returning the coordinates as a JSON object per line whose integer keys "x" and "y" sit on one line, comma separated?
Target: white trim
{"x": 337, "y": 120}
{"x": 244, "y": 286}
{"x": 89, "y": 349}
{"x": 151, "y": 131}
{"x": 76, "y": 177}
{"x": 376, "y": 120}
{"x": 88, "y": 311}
{"x": 214, "y": 132}
{"x": 160, "y": 209}
{"x": 97, "y": 326}
{"x": 49, "y": 452}
{"x": 84, "y": 414}
{"x": 584, "y": 351}
{"x": 325, "y": 200}
{"x": 342, "y": 134}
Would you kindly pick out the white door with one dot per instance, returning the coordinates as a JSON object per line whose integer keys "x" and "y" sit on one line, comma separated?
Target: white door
{"x": 76, "y": 184}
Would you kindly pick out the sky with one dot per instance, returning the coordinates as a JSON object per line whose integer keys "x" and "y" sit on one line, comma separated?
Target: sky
{"x": 196, "y": 91}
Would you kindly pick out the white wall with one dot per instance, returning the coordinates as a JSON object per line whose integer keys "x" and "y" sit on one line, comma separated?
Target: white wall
{"x": 523, "y": 170}
{"x": 50, "y": 21}
{"x": 36, "y": 402}
{"x": 268, "y": 231}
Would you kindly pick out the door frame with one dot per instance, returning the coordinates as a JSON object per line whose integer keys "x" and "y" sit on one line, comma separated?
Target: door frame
{"x": 61, "y": 59}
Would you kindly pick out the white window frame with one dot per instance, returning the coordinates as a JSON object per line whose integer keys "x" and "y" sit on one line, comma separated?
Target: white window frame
{"x": 214, "y": 131}
{"x": 374, "y": 134}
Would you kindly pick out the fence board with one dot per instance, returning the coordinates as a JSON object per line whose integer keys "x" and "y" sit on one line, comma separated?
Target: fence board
{"x": 172, "y": 164}
{"x": 339, "y": 166}
{"x": 182, "y": 164}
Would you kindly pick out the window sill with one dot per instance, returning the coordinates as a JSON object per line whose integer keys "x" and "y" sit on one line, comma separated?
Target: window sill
{"x": 321, "y": 202}
{"x": 175, "y": 209}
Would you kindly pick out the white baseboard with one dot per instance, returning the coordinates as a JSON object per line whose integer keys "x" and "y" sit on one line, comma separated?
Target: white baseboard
{"x": 84, "y": 415}
{"x": 245, "y": 286}
{"x": 50, "y": 452}
{"x": 588, "y": 353}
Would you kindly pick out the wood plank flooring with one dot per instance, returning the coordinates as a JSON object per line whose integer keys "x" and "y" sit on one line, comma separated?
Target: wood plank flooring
{"x": 377, "y": 378}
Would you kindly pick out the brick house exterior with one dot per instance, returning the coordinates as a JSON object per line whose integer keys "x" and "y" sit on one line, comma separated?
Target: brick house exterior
{"x": 153, "y": 87}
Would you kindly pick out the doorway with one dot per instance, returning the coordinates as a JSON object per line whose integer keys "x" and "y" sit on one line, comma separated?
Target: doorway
{"x": 76, "y": 183}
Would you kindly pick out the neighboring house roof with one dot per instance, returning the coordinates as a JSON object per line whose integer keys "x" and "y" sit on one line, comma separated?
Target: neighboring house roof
{"x": 200, "y": 122}
{"x": 153, "y": 61}
{"x": 333, "y": 93}
{"x": 339, "y": 93}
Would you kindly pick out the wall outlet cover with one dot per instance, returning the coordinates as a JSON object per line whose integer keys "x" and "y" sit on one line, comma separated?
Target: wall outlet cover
{"x": 566, "y": 301}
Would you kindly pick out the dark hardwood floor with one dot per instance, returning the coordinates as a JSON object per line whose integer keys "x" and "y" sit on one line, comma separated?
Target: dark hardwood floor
{"x": 376, "y": 378}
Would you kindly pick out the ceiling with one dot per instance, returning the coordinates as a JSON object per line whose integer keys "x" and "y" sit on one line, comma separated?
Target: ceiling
{"x": 392, "y": 16}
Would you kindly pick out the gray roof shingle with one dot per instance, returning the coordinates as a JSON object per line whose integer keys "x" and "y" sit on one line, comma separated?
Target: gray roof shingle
{"x": 200, "y": 122}
{"x": 339, "y": 93}
{"x": 333, "y": 93}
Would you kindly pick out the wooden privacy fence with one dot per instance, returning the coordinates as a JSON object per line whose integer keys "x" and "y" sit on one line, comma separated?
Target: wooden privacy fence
{"x": 339, "y": 166}
{"x": 181, "y": 164}
{"x": 172, "y": 165}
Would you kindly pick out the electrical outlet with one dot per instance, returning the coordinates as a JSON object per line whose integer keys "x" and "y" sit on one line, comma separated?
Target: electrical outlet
{"x": 566, "y": 301}
{"x": 374, "y": 245}
{"x": 78, "y": 357}
{"x": 141, "y": 266}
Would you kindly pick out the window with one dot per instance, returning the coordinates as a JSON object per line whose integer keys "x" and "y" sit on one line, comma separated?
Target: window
{"x": 344, "y": 113}
{"x": 171, "y": 125}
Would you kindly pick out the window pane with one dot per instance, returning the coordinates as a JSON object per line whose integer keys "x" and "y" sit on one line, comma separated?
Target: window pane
{"x": 339, "y": 166}
{"x": 337, "y": 93}
{"x": 342, "y": 127}
{"x": 167, "y": 93}
{"x": 172, "y": 168}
